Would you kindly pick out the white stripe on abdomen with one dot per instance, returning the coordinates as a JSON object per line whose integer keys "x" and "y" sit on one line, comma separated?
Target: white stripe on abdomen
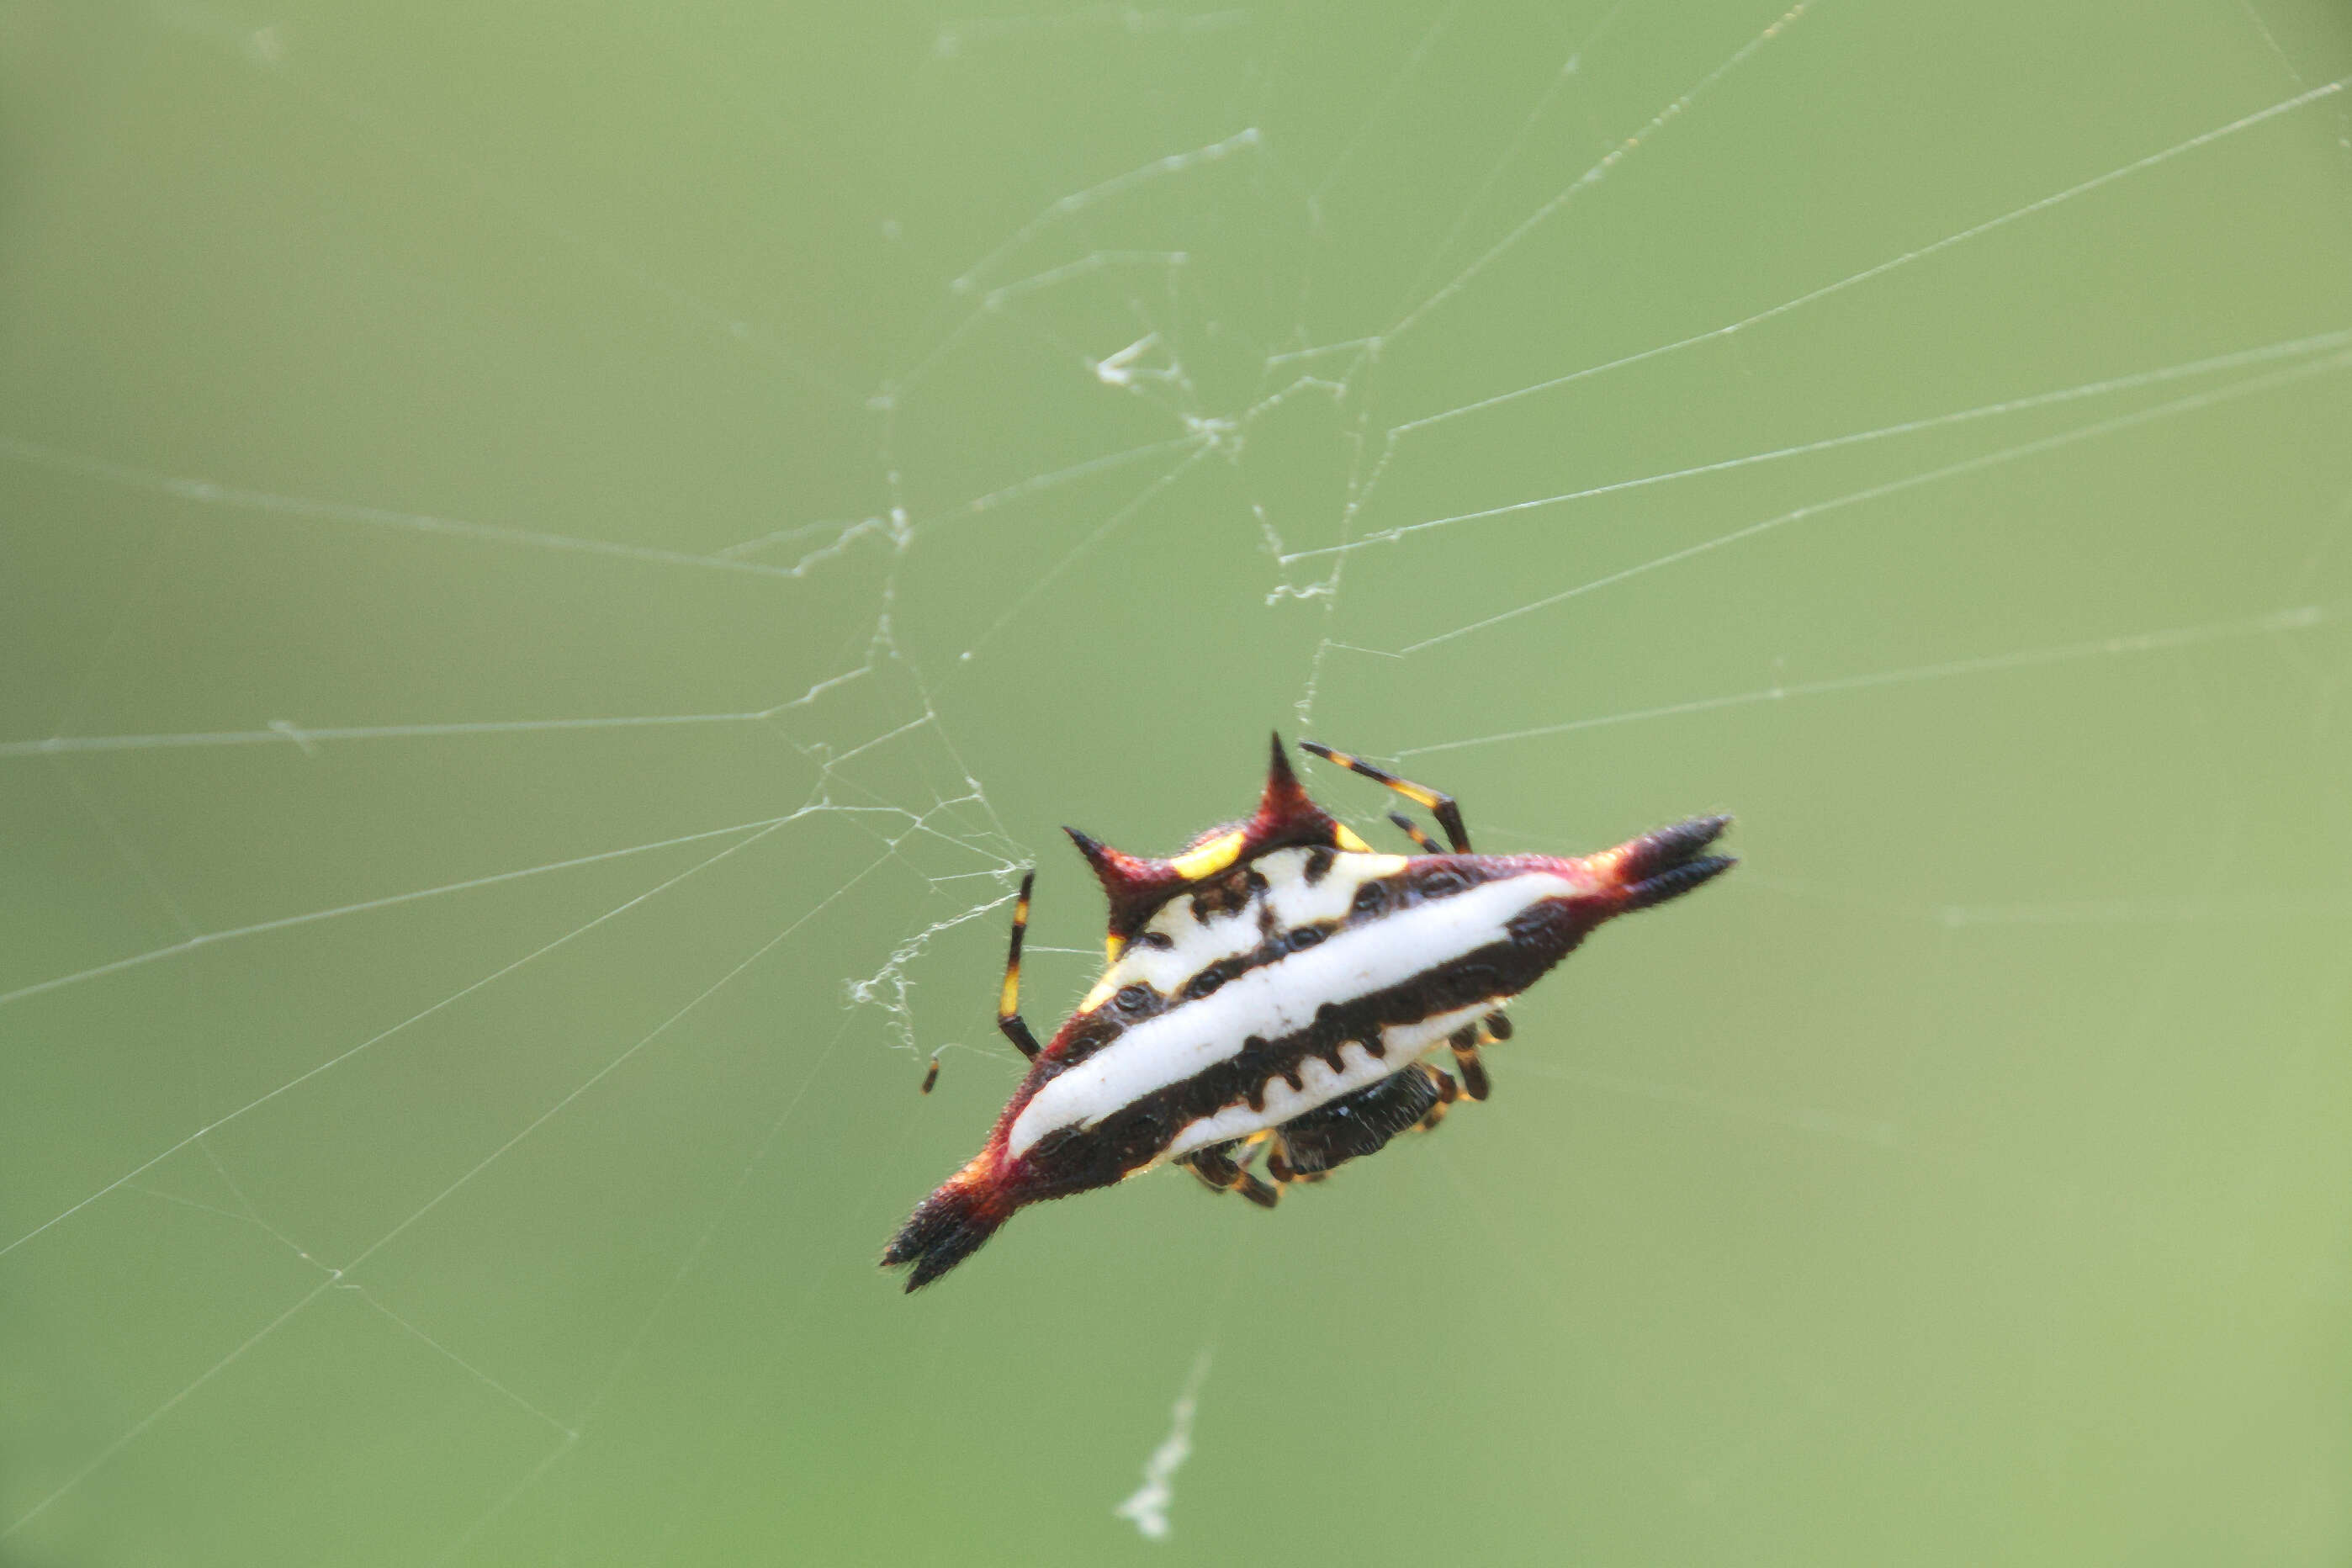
{"x": 1278, "y": 1000}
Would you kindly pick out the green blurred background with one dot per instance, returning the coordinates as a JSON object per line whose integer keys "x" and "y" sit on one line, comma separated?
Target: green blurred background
{"x": 613, "y": 534}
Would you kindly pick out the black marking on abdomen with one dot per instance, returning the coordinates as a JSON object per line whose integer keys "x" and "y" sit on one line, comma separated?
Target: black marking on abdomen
{"x": 1228, "y": 894}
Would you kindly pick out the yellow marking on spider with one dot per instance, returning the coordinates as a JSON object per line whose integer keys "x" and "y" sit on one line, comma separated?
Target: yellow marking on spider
{"x": 1425, "y": 798}
{"x": 1348, "y": 838}
{"x": 1008, "y": 1001}
{"x": 1412, "y": 829}
{"x": 1210, "y": 858}
{"x": 1105, "y": 989}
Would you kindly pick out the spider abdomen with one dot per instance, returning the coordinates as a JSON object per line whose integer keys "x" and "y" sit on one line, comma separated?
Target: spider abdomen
{"x": 1311, "y": 1024}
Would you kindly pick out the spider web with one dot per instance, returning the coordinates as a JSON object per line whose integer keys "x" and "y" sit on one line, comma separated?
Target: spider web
{"x": 561, "y": 567}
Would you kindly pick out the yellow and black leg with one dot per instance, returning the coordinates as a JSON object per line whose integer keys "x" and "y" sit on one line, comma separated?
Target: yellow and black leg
{"x": 1442, "y": 807}
{"x": 1284, "y": 1174}
{"x": 1221, "y": 1173}
{"x": 1464, "y": 1041}
{"x": 1448, "y": 1092}
{"x": 1008, "y": 1000}
{"x": 1421, "y": 841}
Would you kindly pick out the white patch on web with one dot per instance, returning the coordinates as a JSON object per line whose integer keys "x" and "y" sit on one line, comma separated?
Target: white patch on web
{"x": 1147, "y": 1505}
{"x": 1279, "y": 1000}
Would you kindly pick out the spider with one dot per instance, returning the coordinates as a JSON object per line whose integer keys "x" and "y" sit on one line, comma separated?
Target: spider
{"x": 1279, "y": 986}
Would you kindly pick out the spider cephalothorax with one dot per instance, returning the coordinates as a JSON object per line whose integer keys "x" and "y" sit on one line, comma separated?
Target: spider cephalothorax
{"x": 1277, "y": 985}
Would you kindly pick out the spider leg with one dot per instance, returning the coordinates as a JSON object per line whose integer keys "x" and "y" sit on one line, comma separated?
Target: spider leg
{"x": 1278, "y": 1166}
{"x": 1464, "y": 1041}
{"x": 1215, "y": 1168}
{"x": 1448, "y": 1092}
{"x": 1220, "y": 1172}
{"x": 1422, "y": 841}
{"x": 1442, "y": 807}
{"x": 1250, "y": 1185}
{"x": 1008, "y": 1001}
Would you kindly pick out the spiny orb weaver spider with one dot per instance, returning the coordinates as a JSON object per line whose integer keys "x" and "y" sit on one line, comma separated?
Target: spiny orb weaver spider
{"x": 1276, "y": 986}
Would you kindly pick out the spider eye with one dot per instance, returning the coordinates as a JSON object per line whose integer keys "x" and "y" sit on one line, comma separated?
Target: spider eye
{"x": 1132, "y": 998}
{"x": 1370, "y": 898}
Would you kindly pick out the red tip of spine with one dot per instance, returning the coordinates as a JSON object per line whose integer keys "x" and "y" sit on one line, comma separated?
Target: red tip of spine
{"x": 1286, "y": 815}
